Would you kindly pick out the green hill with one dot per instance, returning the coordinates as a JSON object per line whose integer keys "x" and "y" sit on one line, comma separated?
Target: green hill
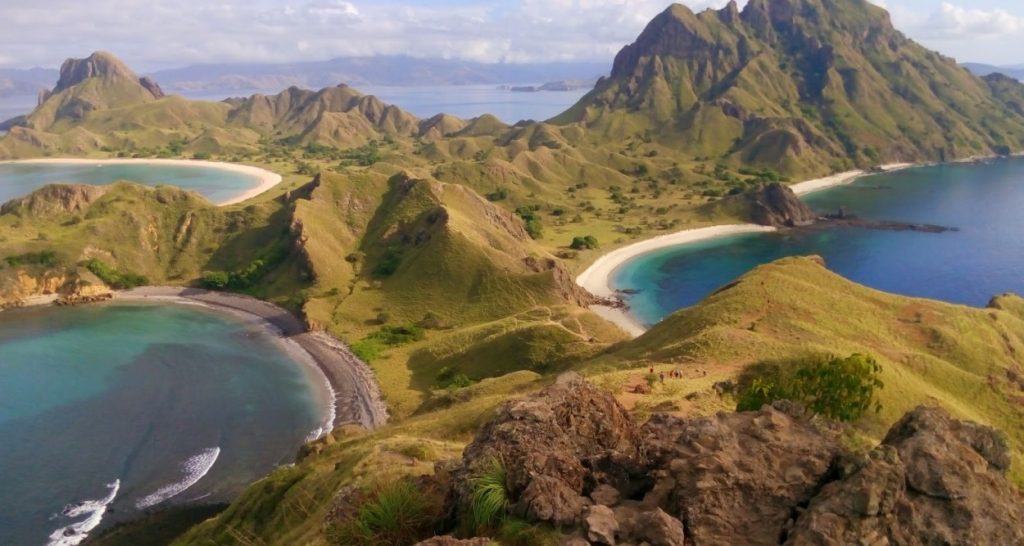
{"x": 801, "y": 86}
{"x": 966, "y": 359}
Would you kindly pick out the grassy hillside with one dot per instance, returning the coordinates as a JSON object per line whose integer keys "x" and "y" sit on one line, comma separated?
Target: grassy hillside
{"x": 801, "y": 86}
{"x": 966, "y": 359}
{"x": 962, "y": 358}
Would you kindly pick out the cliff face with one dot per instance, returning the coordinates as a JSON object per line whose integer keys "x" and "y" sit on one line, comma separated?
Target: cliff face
{"x": 575, "y": 458}
{"x": 776, "y": 205}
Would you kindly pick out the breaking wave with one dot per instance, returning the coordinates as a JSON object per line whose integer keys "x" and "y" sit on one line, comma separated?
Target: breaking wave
{"x": 74, "y": 533}
{"x": 194, "y": 468}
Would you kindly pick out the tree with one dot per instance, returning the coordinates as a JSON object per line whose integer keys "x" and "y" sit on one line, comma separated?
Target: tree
{"x": 838, "y": 388}
{"x": 216, "y": 280}
{"x": 586, "y": 242}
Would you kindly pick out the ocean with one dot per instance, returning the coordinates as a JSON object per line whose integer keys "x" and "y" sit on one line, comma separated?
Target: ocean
{"x": 217, "y": 185}
{"x": 108, "y": 410}
{"x": 984, "y": 258}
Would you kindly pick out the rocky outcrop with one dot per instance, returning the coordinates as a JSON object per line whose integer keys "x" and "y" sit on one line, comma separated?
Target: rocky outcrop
{"x": 776, "y": 205}
{"x": 934, "y": 480}
{"x": 576, "y": 459}
{"x": 556, "y": 447}
{"x": 760, "y": 465}
{"x": 100, "y": 65}
{"x": 55, "y": 199}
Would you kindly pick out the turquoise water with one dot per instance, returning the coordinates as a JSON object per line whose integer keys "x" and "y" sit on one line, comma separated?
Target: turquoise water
{"x": 985, "y": 258}
{"x": 147, "y": 404}
{"x": 217, "y": 185}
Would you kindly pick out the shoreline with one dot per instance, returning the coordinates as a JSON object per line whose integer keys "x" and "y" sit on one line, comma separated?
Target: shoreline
{"x": 356, "y": 395}
{"x": 597, "y": 277}
{"x": 266, "y": 179}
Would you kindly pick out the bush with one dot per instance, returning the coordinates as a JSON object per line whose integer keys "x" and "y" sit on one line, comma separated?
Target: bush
{"x": 389, "y": 263}
{"x": 451, "y": 378}
{"x": 531, "y": 221}
{"x": 398, "y": 513}
{"x": 113, "y": 278}
{"x": 838, "y": 388}
{"x": 499, "y": 194}
{"x": 216, "y": 280}
{"x": 397, "y": 335}
{"x": 586, "y": 242}
{"x": 46, "y": 258}
{"x": 367, "y": 350}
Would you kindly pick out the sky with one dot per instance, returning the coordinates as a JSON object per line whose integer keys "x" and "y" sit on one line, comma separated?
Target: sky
{"x": 159, "y": 34}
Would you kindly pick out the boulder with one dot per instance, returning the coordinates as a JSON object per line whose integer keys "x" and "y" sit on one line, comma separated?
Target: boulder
{"x": 934, "y": 480}
{"x": 605, "y": 495}
{"x": 736, "y": 478}
{"x": 601, "y": 525}
{"x": 556, "y": 446}
{"x": 659, "y": 529}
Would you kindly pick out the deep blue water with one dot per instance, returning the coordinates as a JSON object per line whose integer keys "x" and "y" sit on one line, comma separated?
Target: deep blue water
{"x": 147, "y": 404}
{"x": 985, "y": 258}
{"x": 217, "y": 185}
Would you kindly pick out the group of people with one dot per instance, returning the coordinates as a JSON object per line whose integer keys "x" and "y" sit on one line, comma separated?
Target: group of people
{"x": 674, "y": 374}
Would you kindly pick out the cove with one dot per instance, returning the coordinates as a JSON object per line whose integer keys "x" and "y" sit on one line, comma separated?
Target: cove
{"x": 218, "y": 184}
{"x": 112, "y": 409}
{"x": 970, "y": 266}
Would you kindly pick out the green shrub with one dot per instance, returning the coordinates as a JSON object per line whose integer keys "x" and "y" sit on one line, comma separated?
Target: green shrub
{"x": 397, "y": 335}
{"x": 45, "y": 258}
{"x": 499, "y": 194}
{"x": 216, "y": 280}
{"x": 516, "y": 532}
{"x": 490, "y": 502}
{"x": 115, "y": 279}
{"x": 389, "y": 263}
{"x": 838, "y": 388}
{"x": 451, "y": 378}
{"x": 586, "y": 242}
{"x": 398, "y": 513}
{"x": 367, "y": 350}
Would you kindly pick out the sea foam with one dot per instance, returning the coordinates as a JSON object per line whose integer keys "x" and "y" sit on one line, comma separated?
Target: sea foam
{"x": 75, "y": 533}
{"x": 194, "y": 468}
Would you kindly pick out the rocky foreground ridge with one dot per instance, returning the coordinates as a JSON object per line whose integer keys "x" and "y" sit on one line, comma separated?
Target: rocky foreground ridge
{"x": 577, "y": 459}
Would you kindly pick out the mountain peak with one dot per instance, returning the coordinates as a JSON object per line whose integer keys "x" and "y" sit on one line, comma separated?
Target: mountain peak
{"x": 101, "y": 64}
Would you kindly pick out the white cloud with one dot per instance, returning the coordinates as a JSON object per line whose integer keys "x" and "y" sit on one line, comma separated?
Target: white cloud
{"x": 951, "y": 21}
{"x": 163, "y": 33}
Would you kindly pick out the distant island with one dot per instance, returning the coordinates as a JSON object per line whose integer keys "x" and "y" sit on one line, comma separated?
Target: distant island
{"x": 562, "y": 85}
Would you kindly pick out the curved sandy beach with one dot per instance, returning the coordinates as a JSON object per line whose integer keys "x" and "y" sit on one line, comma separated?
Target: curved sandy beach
{"x": 266, "y": 178}
{"x": 596, "y": 279}
{"x": 356, "y": 395}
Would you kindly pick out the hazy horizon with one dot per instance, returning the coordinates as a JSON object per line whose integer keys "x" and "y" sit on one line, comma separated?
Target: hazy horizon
{"x": 167, "y": 34}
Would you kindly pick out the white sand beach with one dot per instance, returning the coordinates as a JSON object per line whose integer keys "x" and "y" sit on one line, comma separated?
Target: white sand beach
{"x": 596, "y": 279}
{"x": 818, "y": 184}
{"x": 266, "y": 178}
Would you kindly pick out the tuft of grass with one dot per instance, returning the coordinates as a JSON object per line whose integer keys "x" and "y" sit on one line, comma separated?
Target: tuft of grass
{"x": 399, "y": 513}
{"x": 516, "y": 532}
{"x": 490, "y": 501}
